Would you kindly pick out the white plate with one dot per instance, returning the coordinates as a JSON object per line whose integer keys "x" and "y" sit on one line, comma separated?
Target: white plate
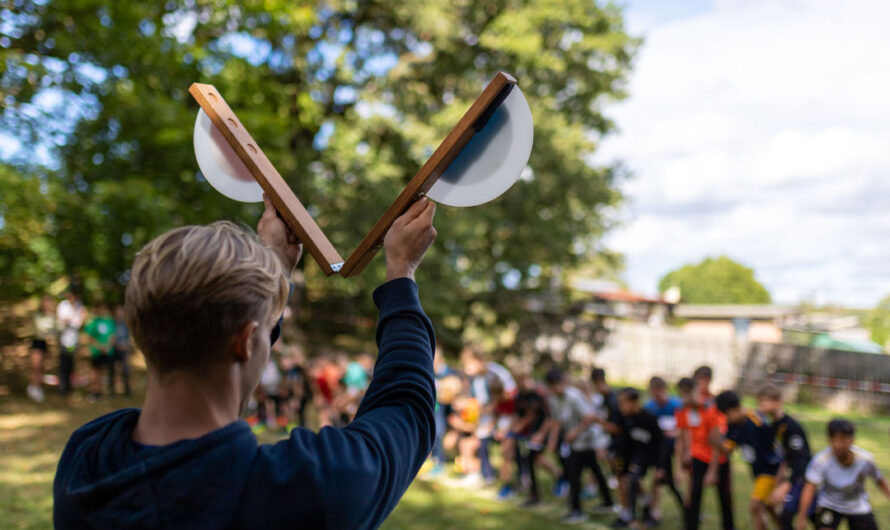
{"x": 492, "y": 160}
{"x": 220, "y": 165}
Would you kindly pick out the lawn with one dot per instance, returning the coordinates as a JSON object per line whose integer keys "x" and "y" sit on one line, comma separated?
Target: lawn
{"x": 32, "y": 437}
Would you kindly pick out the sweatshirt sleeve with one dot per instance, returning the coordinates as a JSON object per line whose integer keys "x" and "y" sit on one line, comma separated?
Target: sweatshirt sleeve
{"x": 394, "y": 428}
{"x": 353, "y": 477}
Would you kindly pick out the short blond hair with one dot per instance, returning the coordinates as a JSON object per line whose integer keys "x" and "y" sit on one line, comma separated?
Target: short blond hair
{"x": 191, "y": 288}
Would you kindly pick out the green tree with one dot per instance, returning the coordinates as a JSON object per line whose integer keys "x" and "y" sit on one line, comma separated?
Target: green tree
{"x": 347, "y": 98}
{"x": 29, "y": 259}
{"x": 878, "y": 322}
{"x": 716, "y": 281}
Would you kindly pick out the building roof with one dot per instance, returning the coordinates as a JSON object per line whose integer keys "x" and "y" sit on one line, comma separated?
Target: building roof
{"x": 730, "y": 311}
{"x": 627, "y": 296}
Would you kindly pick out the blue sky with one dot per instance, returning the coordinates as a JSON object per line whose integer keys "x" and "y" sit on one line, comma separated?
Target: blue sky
{"x": 759, "y": 129}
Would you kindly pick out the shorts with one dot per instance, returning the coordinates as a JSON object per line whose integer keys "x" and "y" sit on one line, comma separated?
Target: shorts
{"x": 98, "y": 361}
{"x": 39, "y": 344}
{"x": 637, "y": 467}
{"x": 791, "y": 502}
{"x": 763, "y": 486}
{"x": 618, "y": 464}
{"x": 827, "y": 518}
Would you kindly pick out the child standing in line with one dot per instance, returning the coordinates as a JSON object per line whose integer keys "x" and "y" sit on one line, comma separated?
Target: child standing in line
{"x": 70, "y": 316}
{"x": 641, "y": 441}
{"x": 573, "y": 412}
{"x": 749, "y": 431}
{"x": 791, "y": 438}
{"x": 529, "y": 429}
{"x": 664, "y": 407}
{"x": 697, "y": 424}
{"x": 44, "y": 327}
{"x": 100, "y": 330}
{"x": 610, "y": 424}
{"x": 120, "y": 352}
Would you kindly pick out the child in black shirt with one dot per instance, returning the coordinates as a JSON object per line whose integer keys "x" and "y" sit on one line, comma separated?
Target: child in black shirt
{"x": 791, "y": 440}
{"x": 640, "y": 443}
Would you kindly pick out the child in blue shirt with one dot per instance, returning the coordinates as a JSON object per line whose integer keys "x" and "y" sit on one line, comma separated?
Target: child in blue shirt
{"x": 663, "y": 406}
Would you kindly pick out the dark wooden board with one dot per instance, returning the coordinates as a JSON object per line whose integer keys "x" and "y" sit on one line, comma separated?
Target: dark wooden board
{"x": 450, "y": 147}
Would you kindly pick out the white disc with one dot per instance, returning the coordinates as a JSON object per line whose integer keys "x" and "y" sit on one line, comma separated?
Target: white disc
{"x": 492, "y": 160}
{"x": 220, "y": 164}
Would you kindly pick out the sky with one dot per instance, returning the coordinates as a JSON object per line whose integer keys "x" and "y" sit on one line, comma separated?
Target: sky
{"x": 759, "y": 129}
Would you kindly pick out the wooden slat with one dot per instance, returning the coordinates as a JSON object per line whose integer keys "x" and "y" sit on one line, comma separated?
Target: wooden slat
{"x": 428, "y": 174}
{"x": 283, "y": 198}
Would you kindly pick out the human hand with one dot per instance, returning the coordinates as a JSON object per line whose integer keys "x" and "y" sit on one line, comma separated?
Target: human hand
{"x": 408, "y": 240}
{"x": 777, "y": 497}
{"x": 277, "y": 236}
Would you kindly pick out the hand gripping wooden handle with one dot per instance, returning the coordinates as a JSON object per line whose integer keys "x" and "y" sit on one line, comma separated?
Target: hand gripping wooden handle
{"x": 471, "y": 122}
{"x": 289, "y": 207}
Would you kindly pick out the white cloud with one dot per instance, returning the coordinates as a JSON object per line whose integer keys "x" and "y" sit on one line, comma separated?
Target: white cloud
{"x": 761, "y": 129}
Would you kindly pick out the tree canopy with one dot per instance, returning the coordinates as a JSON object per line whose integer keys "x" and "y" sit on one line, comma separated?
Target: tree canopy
{"x": 347, "y": 99}
{"x": 717, "y": 280}
{"x": 878, "y": 322}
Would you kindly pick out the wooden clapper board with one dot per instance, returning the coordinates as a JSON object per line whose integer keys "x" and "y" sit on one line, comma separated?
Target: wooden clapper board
{"x": 482, "y": 156}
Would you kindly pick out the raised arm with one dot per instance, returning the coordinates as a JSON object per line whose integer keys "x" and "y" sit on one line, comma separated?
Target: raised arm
{"x": 393, "y": 431}
{"x": 357, "y": 474}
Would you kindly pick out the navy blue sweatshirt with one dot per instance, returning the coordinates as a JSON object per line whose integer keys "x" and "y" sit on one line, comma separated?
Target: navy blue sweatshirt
{"x": 337, "y": 478}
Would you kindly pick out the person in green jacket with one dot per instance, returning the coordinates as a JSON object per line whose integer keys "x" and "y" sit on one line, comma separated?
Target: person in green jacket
{"x": 100, "y": 331}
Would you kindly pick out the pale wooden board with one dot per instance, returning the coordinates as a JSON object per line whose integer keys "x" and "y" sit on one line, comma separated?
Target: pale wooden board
{"x": 283, "y": 198}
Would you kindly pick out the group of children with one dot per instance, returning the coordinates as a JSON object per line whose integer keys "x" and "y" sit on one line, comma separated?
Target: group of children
{"x": 330, "y": 387}
{"x": 71, "y": 327}
{"x": 636, "y": 449}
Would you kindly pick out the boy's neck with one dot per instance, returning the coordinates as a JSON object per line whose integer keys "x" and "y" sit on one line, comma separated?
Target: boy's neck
{"x": 183, "y": 407}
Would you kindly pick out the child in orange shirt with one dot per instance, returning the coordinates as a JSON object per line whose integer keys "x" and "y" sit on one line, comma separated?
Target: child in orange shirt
{"x": 697, "y": 424}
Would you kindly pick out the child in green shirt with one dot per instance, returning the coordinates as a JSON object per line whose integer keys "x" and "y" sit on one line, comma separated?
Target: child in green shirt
{"x": 101, "y": 338}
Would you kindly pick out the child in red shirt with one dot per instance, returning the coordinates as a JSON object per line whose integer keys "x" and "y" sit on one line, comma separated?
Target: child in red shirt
{"x": 697, "y": 424}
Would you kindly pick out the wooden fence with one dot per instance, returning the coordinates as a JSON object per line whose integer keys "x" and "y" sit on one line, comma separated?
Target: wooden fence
{"x": 838, "y": 380}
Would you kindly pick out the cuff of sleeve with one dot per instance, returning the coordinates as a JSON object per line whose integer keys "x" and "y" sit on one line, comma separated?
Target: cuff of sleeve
{"x": 396, "y": 295}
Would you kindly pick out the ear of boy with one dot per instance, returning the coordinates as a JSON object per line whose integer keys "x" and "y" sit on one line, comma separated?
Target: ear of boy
{"x": 243, "y": 341}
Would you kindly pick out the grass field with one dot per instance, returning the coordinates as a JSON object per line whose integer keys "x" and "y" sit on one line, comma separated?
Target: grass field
{"x": 32, "y": 437}
{"x": 432, "y": 505}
